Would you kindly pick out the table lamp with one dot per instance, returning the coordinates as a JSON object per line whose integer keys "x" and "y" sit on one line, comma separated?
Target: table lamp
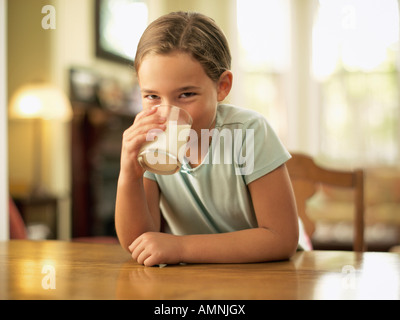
{"x": 39, "y": 101}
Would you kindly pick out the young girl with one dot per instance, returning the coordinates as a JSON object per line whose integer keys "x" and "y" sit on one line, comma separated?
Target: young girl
{"x": 208, "y": 212}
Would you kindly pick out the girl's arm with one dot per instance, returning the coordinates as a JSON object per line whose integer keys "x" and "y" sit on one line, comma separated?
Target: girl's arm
{"x": 137, "y": 202}
{"x": 137, "y": 209}
{"x": 276, "y": 237}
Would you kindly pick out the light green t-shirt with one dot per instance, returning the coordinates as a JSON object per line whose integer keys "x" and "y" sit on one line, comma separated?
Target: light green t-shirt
{"x": 213, "y": 197}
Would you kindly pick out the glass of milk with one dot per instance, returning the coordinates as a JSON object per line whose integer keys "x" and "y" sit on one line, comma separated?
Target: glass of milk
{"x": 164, "y": 152}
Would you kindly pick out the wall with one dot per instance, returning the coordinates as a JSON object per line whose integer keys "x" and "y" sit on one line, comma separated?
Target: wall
{"x": 28, "y": 59}
{"x": 29, "y": 55}
{"x": 73, "y": 44}
{"x": 31, "y": 58}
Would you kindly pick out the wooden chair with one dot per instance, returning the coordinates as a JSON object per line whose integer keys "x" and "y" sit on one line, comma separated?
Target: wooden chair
{"x": 306, "y": 175}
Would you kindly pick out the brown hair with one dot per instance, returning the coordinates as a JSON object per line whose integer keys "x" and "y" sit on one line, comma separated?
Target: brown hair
{"x": 193, "y": 33}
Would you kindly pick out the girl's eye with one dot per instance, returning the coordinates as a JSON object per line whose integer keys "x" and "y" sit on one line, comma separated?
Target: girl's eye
{"x": 151, "y": 97}
{"x": 187, "y": 95}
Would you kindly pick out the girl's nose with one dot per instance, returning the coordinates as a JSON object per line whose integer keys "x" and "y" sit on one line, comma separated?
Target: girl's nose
{"x": 168, "y": 102}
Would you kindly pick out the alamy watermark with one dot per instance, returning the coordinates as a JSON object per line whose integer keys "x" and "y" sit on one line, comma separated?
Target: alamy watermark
{"x": 227, "y": 147}
{"x": 49, "y": 20}
{"x": 49, "y": 280}
{"x": 348, "y": 277}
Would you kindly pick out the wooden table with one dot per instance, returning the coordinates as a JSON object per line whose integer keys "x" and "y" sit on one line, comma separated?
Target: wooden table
{"x": 68, "y": 270}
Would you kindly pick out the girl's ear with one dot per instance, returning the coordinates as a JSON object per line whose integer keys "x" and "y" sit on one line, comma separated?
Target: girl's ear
{"x": 224, "y": 85}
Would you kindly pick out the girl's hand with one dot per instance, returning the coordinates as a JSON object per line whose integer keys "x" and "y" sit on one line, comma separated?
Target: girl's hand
{"x": 134, "y": 138}
{"x": 152, "y": 248}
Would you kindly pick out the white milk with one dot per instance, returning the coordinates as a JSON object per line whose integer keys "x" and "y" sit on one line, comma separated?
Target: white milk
{"x": 165, "y": 153}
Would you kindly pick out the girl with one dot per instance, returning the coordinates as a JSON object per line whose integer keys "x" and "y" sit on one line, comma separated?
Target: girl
{"x": 207, "y": 212}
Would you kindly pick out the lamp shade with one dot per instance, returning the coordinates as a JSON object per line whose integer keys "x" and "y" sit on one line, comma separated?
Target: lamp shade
{"x": 40, "y": 100}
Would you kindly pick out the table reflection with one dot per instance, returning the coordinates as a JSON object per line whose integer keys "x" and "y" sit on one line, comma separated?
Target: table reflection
{"x": 232, "y": 281}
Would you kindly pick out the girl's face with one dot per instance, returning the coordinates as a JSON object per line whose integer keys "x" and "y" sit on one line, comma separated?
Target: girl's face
{"x": 180, "y": 80}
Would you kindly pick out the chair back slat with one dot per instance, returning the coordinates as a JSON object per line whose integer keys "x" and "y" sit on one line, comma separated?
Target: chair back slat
{"x": 306, "y": 175}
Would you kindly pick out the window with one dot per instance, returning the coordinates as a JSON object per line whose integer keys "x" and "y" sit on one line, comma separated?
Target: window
{"x": 263, "y": 56}
{"x": 356, "y": 61}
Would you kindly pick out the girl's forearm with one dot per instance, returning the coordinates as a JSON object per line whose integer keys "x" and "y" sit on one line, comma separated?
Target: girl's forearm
{"x": 245, "y": 246}
{"x": 132, "y": 216}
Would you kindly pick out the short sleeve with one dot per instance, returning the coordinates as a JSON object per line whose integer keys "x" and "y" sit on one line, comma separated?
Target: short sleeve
{"x": 264, "y": 150}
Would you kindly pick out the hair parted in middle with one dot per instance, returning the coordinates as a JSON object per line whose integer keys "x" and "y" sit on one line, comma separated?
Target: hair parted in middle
{"x": 189, "y": 32}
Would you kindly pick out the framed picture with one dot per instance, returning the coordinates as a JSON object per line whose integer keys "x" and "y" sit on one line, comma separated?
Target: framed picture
{"x": 119, "y": 26}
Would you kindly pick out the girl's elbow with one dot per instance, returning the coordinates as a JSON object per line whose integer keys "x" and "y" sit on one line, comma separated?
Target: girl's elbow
{"x": 284, "y": 246}
{"x": 292, "y": 250}
{"x": 286, "y": 252}
{"x": 125, "y": 242}
{"x": 288, "y": 245}
{"x": 291, "y": 246}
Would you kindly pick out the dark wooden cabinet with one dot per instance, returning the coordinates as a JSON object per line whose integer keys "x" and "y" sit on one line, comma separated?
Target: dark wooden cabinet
{"x": 96, "y": 147}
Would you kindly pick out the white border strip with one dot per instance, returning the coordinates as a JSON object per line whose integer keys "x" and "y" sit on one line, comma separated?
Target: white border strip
{"x": 4, "y": 216}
